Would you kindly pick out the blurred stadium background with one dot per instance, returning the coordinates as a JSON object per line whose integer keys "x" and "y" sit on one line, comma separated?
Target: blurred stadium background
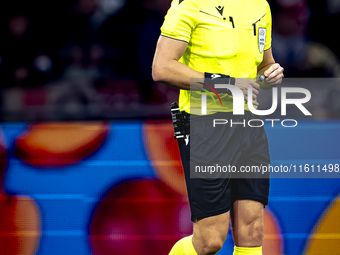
{"x": 88, "y": 163}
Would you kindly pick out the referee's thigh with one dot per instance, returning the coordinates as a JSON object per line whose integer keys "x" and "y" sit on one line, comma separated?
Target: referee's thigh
{"x": 210, "y": 233}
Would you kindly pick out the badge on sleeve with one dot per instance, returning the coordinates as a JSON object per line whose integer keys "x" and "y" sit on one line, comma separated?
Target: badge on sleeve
{"x": 262, "y": 38}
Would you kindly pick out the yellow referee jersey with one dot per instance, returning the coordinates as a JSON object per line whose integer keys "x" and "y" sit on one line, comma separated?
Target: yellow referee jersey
{"x": 223, "y": 36}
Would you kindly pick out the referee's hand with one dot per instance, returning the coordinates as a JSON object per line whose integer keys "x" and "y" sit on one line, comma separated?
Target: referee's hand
{"x": 274, "y": 75}
{"x": 244, "y": 84}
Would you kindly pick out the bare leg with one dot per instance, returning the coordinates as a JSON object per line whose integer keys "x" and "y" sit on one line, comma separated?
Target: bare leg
{"x": 210, "y": 234}
{"x": 247, "y": 223}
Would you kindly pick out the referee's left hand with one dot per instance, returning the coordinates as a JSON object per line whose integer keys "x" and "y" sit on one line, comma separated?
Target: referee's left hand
{"x": 274, "y": 75}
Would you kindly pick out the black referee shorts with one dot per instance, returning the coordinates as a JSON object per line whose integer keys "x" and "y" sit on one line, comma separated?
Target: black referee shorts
{"x": 236, "y": 146}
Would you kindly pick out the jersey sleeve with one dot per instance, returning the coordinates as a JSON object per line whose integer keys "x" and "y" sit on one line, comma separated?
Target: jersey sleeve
{"x": 180, "y": 20}
{"x": 268, "y": 28}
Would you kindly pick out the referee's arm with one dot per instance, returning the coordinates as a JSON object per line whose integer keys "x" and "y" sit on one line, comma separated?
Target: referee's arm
{"x": 166, "y": 67}
{"x": 273, "y": 71}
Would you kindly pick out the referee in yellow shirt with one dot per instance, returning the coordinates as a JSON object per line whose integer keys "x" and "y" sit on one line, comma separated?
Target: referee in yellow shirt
{"x": 225, "y": 42}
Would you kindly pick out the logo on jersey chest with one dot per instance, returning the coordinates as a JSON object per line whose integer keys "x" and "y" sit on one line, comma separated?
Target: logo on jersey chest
{"x": 220, "y": 9}
{"x": 262, "y": 38}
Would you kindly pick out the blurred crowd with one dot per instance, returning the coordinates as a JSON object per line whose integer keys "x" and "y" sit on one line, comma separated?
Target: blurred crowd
{"x": 88, "y": 59}
{"x": 303, "y": 37}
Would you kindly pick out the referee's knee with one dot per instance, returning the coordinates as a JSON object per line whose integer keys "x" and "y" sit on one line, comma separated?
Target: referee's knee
{"x": 209, "y": 242}
{"x": 211, "y": 246}
{"x": 210, "y": 234}
{"x": 251, "y": 234}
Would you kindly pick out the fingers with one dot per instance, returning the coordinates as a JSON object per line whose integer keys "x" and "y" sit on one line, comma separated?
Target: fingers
{"x": 255, "y": 92}
{"x": 275, "y": 81}
{"x": 246, "y": 99}
{"x": 244, "y": 85}
{"x": 274, "y": 75}
{"x": 245, "y": 93}
{"x": 271, "y": 69}
{"x": 255, "y": 89}
{"x": 255, "y": 85}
